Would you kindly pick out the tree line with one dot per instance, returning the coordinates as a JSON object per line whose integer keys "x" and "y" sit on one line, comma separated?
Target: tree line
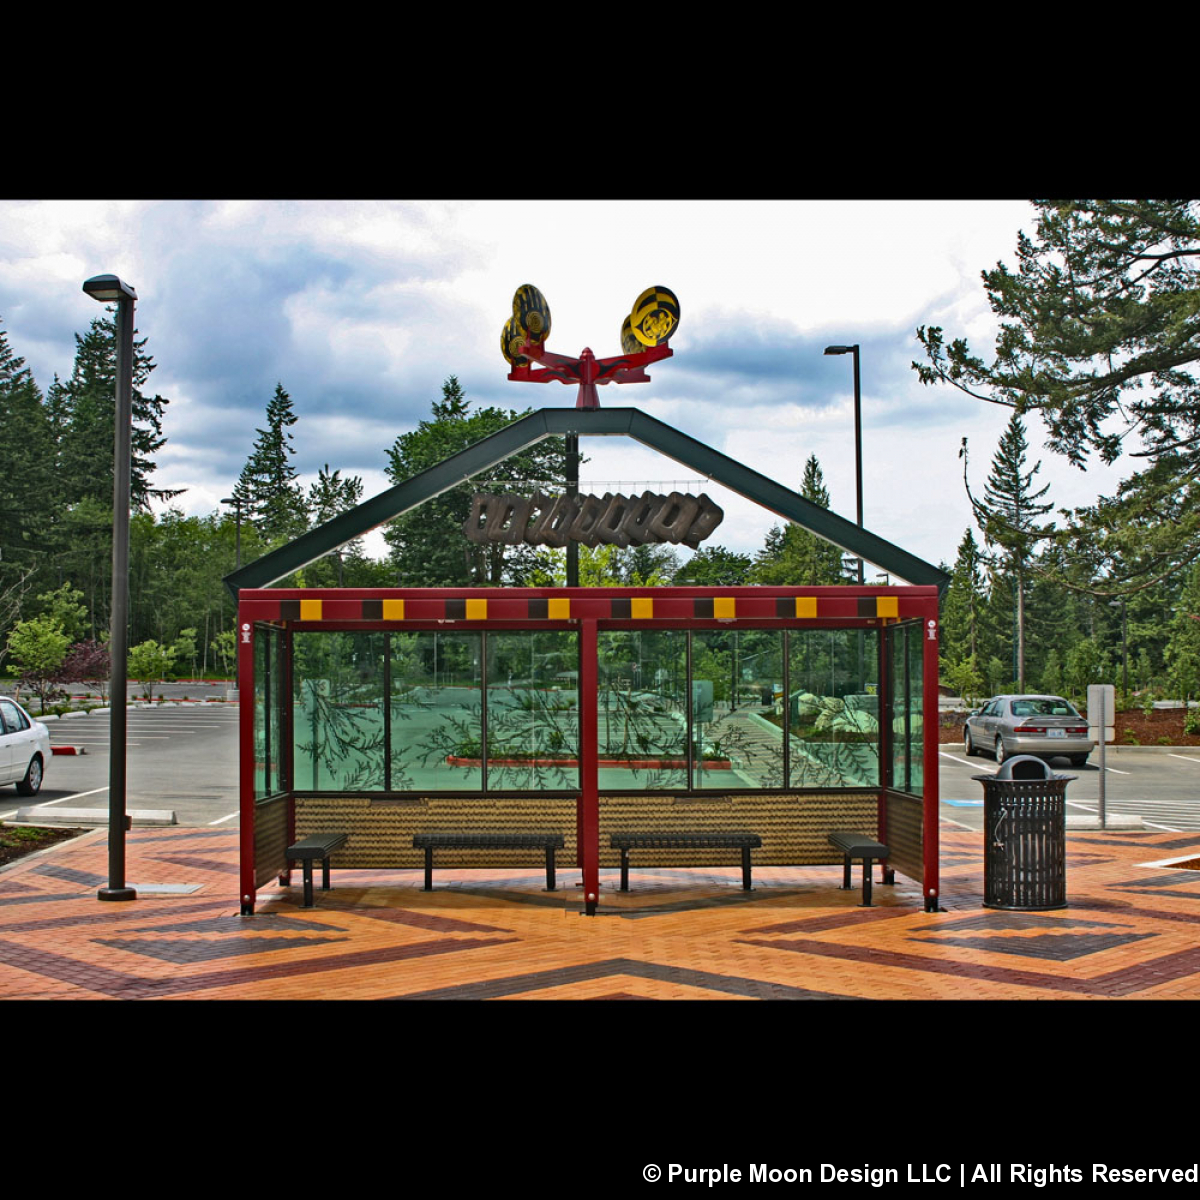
{"x": 1100, "y": 333}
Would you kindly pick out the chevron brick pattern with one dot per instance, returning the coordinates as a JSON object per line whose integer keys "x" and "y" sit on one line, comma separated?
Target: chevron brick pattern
{"x": 1132, "y": 930}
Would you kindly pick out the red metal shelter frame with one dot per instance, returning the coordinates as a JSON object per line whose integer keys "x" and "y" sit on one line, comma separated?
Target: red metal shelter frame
{"x": 589, "y": 611}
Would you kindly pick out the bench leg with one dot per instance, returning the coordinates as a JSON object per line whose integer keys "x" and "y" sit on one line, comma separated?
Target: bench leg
{"x": 308, "y": 888}
{"x": 846, "y": 884}
{"x": 624, "y": 869}
{"x": 867, "y": 872}
{"x": 429, "y": 868}
{"x": 746, "y": 869}
{"x": 550, "y": 869}
{"x": 325, "y": 887}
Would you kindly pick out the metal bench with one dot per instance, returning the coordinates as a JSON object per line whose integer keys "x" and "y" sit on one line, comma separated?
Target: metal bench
{"x": 745, "y": 842}
{"x": 317, "y": 845}
{"x": 858, "y": 845}
{"x": 549, "y": 842}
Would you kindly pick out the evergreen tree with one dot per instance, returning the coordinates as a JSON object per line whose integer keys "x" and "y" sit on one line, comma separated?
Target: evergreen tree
{"x": 330, "y": 496}
{"x": 794, "y": 557}
{"x": 962, "y": 633}
{"x": 27, "y": 476}
{"x": 1008, "y": 516}
{"x": 271, "y": 498}
{"x": 1100, "y": 335}
{"x": 84, "y": 410}
{"x": 427, "y": 544}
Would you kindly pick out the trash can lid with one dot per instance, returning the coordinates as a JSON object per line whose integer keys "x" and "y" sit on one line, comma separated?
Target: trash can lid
{"x": 1024, "y": 766}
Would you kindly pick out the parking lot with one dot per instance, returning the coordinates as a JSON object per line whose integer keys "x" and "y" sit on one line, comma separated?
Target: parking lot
{"x": 181, "y": 757}
{"x": 1160, "y": 784}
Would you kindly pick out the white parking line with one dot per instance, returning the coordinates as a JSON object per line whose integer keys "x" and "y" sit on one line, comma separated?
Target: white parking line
{"x": 1185, "y": 757}
{"x": 964, "y": 762}
{"x": 222, "y": 820}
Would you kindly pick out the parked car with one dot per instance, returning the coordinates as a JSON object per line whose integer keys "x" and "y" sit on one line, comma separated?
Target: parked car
{"x": 1044, "y": 726}
{"x": 24, "y": 748}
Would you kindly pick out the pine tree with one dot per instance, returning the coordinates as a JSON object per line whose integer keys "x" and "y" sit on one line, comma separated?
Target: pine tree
{"x": 27, "y": 476}
{"x": 428, "y": 548}
{"x": 962, "y": 633}
{"x": 271, "y": 498}
{"x": 1008, "y": 516}
{"x": 84, "y": 409}
{"x": 794, "y": 557}
{"x": 330, "y": 496}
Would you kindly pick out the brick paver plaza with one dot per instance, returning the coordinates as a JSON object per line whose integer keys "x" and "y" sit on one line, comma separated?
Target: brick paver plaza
{"x": 1130, "y": 931}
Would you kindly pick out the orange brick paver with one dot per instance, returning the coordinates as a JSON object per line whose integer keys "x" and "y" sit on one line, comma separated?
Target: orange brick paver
{"x": 1130, "y": 931}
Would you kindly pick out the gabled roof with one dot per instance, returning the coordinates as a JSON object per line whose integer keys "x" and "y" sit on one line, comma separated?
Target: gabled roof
{"x": 602, "y": 422}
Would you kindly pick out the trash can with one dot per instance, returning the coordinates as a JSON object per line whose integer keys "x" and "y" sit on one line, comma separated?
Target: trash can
{"x": 1025, "y": 836}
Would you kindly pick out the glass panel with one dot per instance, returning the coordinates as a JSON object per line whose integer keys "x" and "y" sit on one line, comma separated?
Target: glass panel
{"x": 261, "y": 663}
{"x": 642, "y": 718}
{"x": 737, "y": 682}
{"x": 338, "y": 715}
{"x": 915, "y": 699}
{"x": 276, "y": 781}
{"x": 533, "y": 710}
{"x": 833, "y": 709}
{"x": 899, "y": 658}
{"x": 436, "y": 711}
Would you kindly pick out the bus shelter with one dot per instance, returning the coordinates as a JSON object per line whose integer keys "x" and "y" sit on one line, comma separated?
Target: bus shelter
{"x": 784, "y": 712}
{"x": 788, "y": 713}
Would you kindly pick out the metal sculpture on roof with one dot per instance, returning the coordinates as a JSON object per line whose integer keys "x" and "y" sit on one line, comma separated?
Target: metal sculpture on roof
{"x": 644, "y": 335}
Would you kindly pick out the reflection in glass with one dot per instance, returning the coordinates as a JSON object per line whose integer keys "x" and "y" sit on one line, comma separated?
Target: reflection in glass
{"x": 338, "y": 733}
{"x": 533, "y": 709}
{"x": 833, "y": 708}
{"x": 907, "y": 669}
{"x": 737, "y": 682}
{"x": 642, "y": 719}
{"x": 436, "y": 711}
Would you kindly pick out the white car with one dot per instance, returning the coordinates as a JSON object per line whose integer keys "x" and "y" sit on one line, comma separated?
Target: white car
{"x": 24, "y": 748}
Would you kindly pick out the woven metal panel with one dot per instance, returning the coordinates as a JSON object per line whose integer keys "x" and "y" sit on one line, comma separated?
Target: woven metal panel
{"x": 794, "y": 829}
{"x": 270, "y": 840}
{"x": 904, "y": 837}
{"x": 381, "y": 832}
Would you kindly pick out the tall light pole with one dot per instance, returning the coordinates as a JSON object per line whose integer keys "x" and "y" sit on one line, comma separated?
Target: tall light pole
{"x": 108, "y": 289}
{"x": 857, "y": 436}
{"x": 236, "y": 501}
{"x": 1124, "y": 643}
{"x": 857, "y": 478}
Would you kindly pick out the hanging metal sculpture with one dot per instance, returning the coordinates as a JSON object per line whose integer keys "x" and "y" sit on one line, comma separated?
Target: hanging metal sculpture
{"x": 645, "y": 332}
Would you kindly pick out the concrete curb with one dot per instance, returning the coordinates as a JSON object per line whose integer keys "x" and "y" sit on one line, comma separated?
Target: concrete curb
{"x": 41, "y": 815}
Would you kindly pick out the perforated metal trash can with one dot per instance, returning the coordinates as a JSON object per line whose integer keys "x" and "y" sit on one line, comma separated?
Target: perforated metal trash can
{"x": 1025, "y": 836}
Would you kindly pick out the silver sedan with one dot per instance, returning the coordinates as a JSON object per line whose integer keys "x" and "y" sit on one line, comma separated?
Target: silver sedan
{"x": 1045, "y": 726}
{"x": 24, "y": 748}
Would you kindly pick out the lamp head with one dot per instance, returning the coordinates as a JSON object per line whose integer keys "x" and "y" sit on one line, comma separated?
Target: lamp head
{"x": 840, "y": 349}
{"x": 108, "y": 289}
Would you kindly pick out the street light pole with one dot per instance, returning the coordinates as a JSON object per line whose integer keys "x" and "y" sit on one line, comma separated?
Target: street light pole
{"x": 108, "y": 289}
{"x": 857, "y": 436}
{"x": 236, "y": 501}
{"x": 858, "y": 490}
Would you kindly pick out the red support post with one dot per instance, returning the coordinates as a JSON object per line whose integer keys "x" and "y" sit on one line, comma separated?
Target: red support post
{"x": 589, "y": 817}
{"x": 930, "y": 791}
{"x": 247, "y": 766}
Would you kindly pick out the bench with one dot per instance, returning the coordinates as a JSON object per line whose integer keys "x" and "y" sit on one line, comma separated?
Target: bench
{"x": 745, "y": 842}
{"x": 318, "y": 845}
{"x": 858, "y": 845}
{"x": 549, "y": 842}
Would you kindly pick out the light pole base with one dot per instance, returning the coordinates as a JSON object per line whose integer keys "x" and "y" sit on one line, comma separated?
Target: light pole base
{"x": 120, "y": 893}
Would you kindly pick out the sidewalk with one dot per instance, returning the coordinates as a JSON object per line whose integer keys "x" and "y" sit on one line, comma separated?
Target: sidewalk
{"x": 1130, "y": 931}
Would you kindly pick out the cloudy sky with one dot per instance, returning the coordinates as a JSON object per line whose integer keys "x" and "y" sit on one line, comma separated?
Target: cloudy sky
{"x": 362, "y": 308}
